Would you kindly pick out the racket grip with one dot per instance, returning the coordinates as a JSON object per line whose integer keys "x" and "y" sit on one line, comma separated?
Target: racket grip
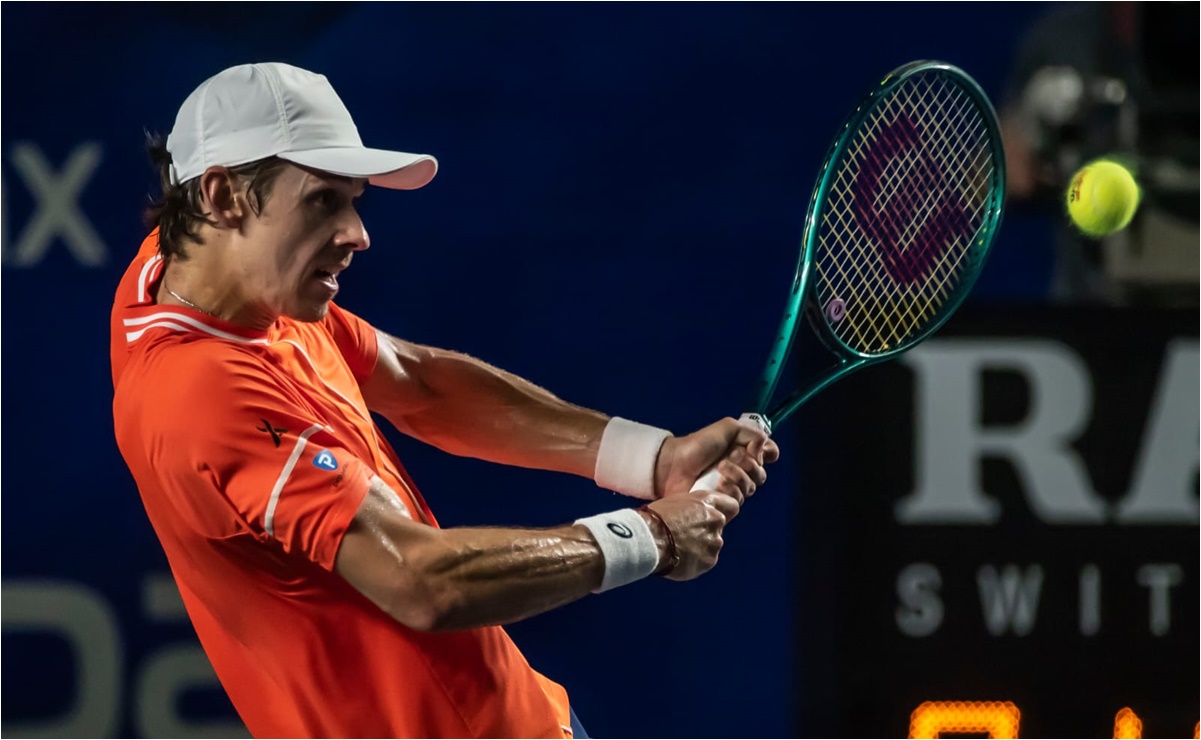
{"x": 711, "y": 478}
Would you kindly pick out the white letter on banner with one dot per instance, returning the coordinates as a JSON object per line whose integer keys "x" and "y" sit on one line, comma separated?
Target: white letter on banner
{"x": 1090, "y": 599}
{"x": 58, "y": 211}
{"x": 173, "y": 671}
{"x": 1164, "y": 474}
{"x": 950, "y": 439}
{"x": 1010, "y": 599}
{"x": 1159, "y": 578}
{"x": 84, "y": 619}
{"x": 920, "y": 611}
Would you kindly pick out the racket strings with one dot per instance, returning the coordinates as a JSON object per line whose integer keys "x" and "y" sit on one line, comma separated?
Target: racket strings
{"x": 862, "y": 282}
{"x": 940, "y": 146}
{"x": 920, "y": 194}
{"x": 867, "y": 276}
{"x": 905, "y": 206}
{"x": 861, "y": 324}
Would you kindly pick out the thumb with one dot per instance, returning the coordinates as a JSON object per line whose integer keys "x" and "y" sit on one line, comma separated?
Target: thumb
{"x": 721, "y": 437}
{"x": 756, "y": 449}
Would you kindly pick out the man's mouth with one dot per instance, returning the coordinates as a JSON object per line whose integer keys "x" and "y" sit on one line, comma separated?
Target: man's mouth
{"x": 329, "y": 276}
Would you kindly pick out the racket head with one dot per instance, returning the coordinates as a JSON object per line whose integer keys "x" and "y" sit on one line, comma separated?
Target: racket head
{"x": 896, "y": 177}
{"x": 907, "y": 207}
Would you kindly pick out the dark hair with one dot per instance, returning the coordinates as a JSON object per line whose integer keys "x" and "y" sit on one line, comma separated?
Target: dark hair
{"x": 179, "y": 212}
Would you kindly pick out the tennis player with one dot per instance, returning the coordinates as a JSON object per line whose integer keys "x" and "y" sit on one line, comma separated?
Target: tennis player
{"x": 328, "y": 599}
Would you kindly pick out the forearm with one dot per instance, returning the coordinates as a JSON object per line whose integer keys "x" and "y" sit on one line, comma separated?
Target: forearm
{"x": 497, "y": 576}
{"x": 455, "y": 579}
{"x": 468, "y": 407}
{"x": 441, "y": 579}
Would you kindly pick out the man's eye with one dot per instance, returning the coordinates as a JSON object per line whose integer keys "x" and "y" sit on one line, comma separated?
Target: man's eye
{"x": 327, "y": 199}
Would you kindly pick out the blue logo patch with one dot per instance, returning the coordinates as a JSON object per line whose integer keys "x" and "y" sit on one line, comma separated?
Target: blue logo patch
{"x": 325, "y": 460}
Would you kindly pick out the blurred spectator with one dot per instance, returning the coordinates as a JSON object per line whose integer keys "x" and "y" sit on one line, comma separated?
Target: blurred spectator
{"x": 1118, "y": 80}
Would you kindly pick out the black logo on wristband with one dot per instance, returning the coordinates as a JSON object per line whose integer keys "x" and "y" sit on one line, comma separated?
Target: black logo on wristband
{"x": 620, "y": 530}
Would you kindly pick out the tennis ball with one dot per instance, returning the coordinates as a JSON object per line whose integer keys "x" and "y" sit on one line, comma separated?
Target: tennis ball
{"x": 1102, "y": 198}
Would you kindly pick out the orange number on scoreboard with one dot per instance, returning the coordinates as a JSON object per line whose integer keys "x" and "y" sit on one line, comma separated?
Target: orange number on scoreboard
{"x": 997, "y": 718}
{"x": 1126, "y": 724}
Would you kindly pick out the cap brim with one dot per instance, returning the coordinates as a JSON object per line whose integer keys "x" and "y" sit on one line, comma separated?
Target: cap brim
{"x": 396, "y": 170}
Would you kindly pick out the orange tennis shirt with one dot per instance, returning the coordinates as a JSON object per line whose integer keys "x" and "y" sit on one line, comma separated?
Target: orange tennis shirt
{"x": 252, "y": 451}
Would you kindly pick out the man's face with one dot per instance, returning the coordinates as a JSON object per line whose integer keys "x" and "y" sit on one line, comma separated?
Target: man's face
{"x": 302, "y": 238}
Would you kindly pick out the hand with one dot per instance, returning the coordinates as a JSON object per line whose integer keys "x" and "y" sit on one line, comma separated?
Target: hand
{"x": 696, "y": 520}
{"x": 739, "y": 452}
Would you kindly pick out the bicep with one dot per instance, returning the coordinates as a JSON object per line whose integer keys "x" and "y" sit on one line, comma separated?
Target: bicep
{"x": 395, "y": 386}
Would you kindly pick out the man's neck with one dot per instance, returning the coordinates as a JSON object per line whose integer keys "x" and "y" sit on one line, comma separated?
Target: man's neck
{"x": 203, "y": 284}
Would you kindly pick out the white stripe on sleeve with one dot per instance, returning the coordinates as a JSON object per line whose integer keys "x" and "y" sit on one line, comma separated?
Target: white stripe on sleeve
{"x": 143, "y": 276}
{"x": 301, "y": 442}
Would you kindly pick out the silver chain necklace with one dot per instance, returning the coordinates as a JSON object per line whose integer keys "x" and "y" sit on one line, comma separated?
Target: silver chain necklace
{"x": 188, "y": 303}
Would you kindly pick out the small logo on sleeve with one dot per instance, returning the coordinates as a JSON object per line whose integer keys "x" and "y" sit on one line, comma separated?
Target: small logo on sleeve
{"x": 325, "y": 460}
{"x": 275, "y": 432}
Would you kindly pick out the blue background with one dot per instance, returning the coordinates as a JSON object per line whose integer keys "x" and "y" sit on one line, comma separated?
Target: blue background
{"x": 615, "y": 218}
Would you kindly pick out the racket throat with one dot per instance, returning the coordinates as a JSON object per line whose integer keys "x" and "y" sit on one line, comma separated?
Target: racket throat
{"x": 800, "y": 397}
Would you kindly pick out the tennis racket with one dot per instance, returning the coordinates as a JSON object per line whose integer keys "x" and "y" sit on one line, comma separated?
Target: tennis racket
{"x": 907, "y": 206}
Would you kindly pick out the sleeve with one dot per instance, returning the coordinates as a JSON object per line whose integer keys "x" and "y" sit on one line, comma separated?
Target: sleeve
{"x": 254, "y": 455}
{"x": 355, "y": 339}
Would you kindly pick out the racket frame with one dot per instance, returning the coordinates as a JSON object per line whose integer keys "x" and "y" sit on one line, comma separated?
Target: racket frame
{"x": 800, "y": 303}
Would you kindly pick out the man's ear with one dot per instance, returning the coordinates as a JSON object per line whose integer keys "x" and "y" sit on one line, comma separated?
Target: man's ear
{"x": 222, "y": 196}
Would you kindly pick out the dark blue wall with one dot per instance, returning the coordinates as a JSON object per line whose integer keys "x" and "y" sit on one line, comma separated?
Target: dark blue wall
{"x": 620, "y": 193}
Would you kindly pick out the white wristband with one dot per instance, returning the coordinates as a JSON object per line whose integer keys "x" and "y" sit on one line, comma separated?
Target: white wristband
{"x": 626, "y": 541}
{"x": 626, "y": 459}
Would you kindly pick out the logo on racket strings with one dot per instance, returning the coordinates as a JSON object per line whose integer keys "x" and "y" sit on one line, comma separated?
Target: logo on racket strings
{"x": 912, "y": 216}
{"x": 836, "y": 310}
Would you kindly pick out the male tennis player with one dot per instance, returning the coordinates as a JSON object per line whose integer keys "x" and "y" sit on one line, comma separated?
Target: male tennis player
{"x": 321, "y": 586}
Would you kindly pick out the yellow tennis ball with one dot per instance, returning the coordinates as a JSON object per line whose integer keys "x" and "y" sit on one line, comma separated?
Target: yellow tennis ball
{"x": 1102, "y": 198}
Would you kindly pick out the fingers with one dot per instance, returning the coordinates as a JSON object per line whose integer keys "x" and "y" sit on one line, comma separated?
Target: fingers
{"x": 757, "y": 443}
{"x": 740, "y": 474}
{"x": 749, "y": 463}
{"x": 697, "y": 520}
{"x": 735, "y": 479}
{"x": 727, "y": 505}
{"x": 683, "y": 461}
{"x": 764, "y": 450}
{"x": 706, "y": 542}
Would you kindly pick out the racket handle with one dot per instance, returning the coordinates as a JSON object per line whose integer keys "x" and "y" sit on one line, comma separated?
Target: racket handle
{"x": 710, "y": 479}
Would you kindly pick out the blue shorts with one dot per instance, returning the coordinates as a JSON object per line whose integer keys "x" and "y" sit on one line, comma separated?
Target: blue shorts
{"x": 577, "y": 730}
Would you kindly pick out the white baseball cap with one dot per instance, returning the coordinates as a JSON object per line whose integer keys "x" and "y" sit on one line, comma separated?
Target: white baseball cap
{"x": 254, "y": 111}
